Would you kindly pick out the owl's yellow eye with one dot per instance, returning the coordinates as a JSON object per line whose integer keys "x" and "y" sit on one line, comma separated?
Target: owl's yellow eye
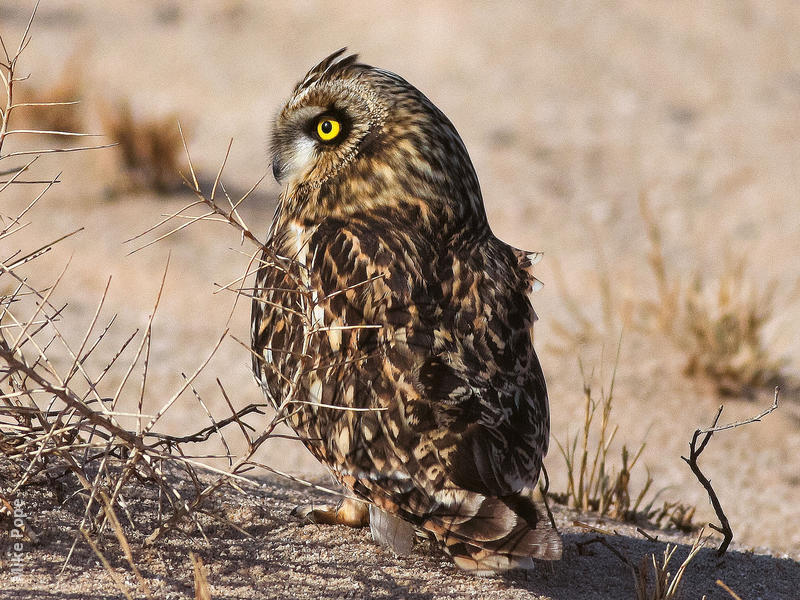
{"x": 328, "y": 128}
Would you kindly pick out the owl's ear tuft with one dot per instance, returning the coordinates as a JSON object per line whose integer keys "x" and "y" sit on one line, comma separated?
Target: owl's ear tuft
{"x": 326, "y": 68}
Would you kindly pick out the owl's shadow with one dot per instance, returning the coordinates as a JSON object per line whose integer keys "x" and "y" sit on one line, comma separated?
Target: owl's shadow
{"x": 591, "y": 568}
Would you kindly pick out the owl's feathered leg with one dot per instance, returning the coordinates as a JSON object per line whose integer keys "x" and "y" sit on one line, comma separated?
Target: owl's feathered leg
{"x": 350, "y": 512}
{"x": 391, "y": 531}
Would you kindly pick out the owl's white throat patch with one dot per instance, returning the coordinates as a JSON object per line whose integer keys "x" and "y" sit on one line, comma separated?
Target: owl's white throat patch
{"x": 303, "y": 156}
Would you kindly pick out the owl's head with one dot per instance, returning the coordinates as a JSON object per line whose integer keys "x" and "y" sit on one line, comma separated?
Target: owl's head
{"x": 355, "y": 139}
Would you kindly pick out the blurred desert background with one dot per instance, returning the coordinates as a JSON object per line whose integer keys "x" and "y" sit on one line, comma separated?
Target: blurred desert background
{"x": 594, "y": 127}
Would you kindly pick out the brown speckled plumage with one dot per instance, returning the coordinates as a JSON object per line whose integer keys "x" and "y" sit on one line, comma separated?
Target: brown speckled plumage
{"x": 383, "y": 288}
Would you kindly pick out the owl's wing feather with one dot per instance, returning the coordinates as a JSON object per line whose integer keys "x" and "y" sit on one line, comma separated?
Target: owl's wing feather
{"x": 455, "y": 348}
{"x": 462, "y": 421}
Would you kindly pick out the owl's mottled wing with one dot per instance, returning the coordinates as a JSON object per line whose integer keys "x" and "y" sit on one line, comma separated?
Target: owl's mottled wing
{"x": 436, "y": 344}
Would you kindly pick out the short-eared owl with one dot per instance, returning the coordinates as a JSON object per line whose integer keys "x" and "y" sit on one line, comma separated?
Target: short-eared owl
{"x": 395, "y": 329}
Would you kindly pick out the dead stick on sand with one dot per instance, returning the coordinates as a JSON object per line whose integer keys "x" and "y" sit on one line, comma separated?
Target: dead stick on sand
{"x": 694, "y": 453}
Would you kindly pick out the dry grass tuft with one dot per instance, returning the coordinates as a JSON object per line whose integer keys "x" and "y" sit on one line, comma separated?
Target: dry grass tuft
{"x": 150, "y": 150}
{"x": 675, "y": 515}
{"x": 717, "y": 324}
{"x": 63, "y": 100}
{"x": 664, "y": 585}
{"x": 593, "y": 483}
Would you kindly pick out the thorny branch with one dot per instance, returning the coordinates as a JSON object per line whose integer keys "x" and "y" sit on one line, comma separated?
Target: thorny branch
{"x": 58, "y": 419}
{"x": 205, "y": 433}
{"x": 74, "y": 432}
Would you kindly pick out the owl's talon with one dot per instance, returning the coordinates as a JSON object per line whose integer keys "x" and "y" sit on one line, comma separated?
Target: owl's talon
{"x": 311, "y": 513}
{"x": 350, "y": 512}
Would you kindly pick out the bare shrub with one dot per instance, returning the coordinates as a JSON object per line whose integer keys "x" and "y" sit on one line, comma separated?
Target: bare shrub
{"x": 63, "y": 424}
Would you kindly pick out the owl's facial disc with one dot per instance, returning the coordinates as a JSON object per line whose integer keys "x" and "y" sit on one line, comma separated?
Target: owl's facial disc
{"x": 304, "y": 139}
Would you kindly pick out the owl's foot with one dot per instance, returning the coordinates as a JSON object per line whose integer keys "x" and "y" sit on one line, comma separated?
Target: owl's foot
{"x": 350, "y": 512}
{"x": 387, "y": 530}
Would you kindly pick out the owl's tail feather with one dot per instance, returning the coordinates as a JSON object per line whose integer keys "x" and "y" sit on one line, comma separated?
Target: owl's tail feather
{"x": 496, "y": 534}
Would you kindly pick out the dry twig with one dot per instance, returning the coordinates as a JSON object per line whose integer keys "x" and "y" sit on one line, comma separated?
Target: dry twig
{"x": 725, "y": 587}
{"x": 202, "y": 591}
{"x": 696, "y": 450}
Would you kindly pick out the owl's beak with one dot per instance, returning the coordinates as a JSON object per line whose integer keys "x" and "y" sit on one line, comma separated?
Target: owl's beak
{"x": 277, "y": 169}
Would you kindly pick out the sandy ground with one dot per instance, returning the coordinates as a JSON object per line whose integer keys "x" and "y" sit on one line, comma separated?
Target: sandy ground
{"x": 284, "y": 559}
{"x": 570, "y": 112}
